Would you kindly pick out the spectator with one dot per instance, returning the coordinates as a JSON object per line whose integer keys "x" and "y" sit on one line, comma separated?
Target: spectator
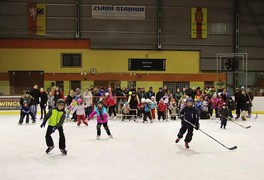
{"x": 35, "y": 93}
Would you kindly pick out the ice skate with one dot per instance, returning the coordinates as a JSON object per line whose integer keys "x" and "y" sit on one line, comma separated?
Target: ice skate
{"x": 63, "y": 151}
{"x": 97, "y": 137}
{"x": 177, "y": 140}
{"x": 111, "y": 136}
{"x": 187, "y": 145}
{"x": 49, "y": 149}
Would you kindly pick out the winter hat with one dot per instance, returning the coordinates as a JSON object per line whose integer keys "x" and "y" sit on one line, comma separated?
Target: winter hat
{"x": 143, "y": 100}
{"x": 79, "y": 100}
{"x": 100, "y": 102}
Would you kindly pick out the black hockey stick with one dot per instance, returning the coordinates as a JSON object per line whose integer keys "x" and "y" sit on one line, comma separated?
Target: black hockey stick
{"x": 232, "y": 148}
{"x": 245, "y": 127}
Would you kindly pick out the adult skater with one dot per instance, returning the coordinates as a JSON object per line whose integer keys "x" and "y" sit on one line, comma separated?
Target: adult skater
{"x": 35, "y": 93}
{"x": 102, "y": 119}
{"x": 56, "y": 117}
{"x": 188, "y": 113}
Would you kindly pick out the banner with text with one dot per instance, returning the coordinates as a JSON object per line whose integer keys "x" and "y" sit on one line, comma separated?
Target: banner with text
{"x": 199, "y": 23}
{"x": 37, "y": 18}
{"x": 118, "y": 12}
{"x": 9, "y": 102}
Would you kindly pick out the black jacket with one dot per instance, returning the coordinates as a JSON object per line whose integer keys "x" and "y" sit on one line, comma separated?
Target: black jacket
{"x": 43, "y": 98}
{"x": 35, "y": 93}
{"x": 191, "y": 115}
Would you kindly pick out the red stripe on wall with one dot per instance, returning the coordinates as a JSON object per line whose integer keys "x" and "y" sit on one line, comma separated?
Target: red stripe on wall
{"x": 45, "y": 43}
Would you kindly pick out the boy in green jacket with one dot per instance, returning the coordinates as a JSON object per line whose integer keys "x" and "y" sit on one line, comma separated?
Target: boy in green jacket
{"x": 56, "y": 117}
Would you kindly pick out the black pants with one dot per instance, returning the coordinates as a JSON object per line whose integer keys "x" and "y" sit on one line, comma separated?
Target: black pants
{"x": 49, "y": 140}
{"x": 147, "y": 115}
{"x": 223, "y": 122}
{"x": 88, "y": 111}
{"x": 216, "y": 112}
{"x": 43, "y": 110}
{"x": 189, "y": 135}
{"x": 238, "y": 111}
{"x": 23, "y": 115}
{"x": 111, "y": 110}
{"x": 98, "y": 127}
{"x": 161, "y": 114}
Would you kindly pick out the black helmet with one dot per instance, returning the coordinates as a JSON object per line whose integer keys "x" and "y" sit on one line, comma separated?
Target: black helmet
{"x": 61, "y": 101}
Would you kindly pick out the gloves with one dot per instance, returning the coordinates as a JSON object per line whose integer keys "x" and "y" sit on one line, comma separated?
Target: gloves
{"x": 197, "y": 127}
{"x": 54, "y": 129}
{"x": 42, "y": 125}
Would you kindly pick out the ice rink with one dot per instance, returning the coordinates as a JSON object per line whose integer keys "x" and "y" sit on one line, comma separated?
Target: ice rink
{"x": 137, "y": 152}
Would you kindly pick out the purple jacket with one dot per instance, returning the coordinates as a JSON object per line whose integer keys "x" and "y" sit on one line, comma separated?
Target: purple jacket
{"x": 99, "y": 120}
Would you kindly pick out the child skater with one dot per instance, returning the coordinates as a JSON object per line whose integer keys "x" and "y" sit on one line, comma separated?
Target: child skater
{"x": 162, "y": 109}
{"x": 102, "y": 119}
{"x": 153, "y": 105}
{"x": 188, "y": 113}
{"x": 25, "y": 111}
{"x": 50, "y": 100}
{"x": 125, "y": 111}
{"x": 147, "y": 112}
{"x": 224, "y": 114}
{"x": 56, "y": 117}
{"x": 80, "y": 112}
{"x": 173, "y": 109}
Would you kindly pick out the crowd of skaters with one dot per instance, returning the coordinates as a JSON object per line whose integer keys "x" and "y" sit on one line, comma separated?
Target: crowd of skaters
{"x": 133, "y": 102}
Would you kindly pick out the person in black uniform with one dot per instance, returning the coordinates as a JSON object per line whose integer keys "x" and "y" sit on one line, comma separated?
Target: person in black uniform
{"x": 188, "y": 113}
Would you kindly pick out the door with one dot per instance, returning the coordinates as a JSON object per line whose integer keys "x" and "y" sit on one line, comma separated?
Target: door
{"x": 21, "y": 81}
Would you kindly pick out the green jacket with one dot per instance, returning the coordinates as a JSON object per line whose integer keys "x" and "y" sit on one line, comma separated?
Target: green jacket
{"x": 55, "y": 116}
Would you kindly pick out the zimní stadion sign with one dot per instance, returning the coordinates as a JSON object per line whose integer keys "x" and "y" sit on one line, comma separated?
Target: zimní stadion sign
{"x": 118, "y": 12}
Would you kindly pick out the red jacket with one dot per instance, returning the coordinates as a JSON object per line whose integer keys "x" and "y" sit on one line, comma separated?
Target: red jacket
{"x": 162, "y": 107}
{"x": 111, "y": 101}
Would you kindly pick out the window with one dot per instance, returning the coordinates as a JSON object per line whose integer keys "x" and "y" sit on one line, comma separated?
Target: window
{"x": 71, "y": 60}
{"x": 173, "y": 85}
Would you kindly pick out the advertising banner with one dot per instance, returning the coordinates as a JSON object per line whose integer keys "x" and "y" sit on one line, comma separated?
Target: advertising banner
{"x": 199, "y": 23}
{"x": 9, "y": 102}
{"x": 118, "y": 12}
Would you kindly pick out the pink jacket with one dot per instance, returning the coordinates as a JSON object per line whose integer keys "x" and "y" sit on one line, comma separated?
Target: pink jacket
{"x": 99, "y": 120}
{"x": 214, "y": 103}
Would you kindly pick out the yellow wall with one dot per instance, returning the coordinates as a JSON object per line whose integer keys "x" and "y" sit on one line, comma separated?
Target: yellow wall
{"x": 86, "y": 84}
{"x": 48, "y": 60}
{"x": 4, "y": 87}
{"x": 146, "y": 84}
{"x": 197, "y": 84}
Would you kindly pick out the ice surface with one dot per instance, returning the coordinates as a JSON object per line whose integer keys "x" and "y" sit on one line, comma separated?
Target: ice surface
{"x": 137, "y": 152}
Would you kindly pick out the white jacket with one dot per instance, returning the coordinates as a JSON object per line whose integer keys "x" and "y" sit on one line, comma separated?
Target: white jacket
{"x": 80, "y": 109}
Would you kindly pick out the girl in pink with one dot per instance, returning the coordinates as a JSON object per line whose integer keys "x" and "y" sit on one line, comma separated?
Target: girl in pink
{"x": 102, "y": 119}
{"x": 213, "y": 104}
{"x": 80, "y": 112}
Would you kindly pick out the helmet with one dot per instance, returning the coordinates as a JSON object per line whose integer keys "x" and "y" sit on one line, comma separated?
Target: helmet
{"x": 148, "y": 100}
{"x": 100, "y": 102}
{"x": 130, "y": 92}
{"x": 189, "y": 100}
{"x": 60, "y": 101}
{"x": 106, "y": 94}
{"x": 79, "y": 100}
{"x": 143, "y": 100}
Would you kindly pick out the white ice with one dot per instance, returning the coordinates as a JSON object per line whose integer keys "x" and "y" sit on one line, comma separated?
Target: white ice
{"x": 137, "y": 152}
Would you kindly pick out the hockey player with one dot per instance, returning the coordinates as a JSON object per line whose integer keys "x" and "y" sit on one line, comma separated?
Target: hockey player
{"x": 56, "y": 117}
{"x": 188, "y": 115}
{"x": 224, "y": 114}
{"x": 102, "y": 119}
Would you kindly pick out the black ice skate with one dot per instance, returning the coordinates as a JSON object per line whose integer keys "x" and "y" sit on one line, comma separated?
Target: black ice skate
{"x": 63, "y": 151}
{"x": 49, "y": 149}
{"x": 187, "y": 145}
{"x": 177, "y": 140}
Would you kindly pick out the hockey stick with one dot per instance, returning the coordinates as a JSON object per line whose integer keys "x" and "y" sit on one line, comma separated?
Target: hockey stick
{"x": 232, "y": 148}
{"x": 245, "y": 127}
{"x": 251, "y": 104}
